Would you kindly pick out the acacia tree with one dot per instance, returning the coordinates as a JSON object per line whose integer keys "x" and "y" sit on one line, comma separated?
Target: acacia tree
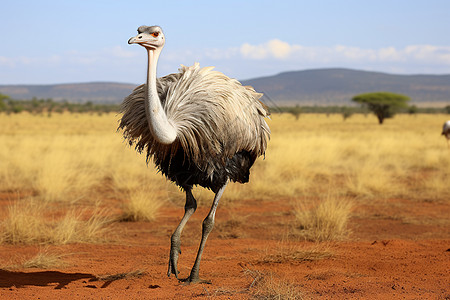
{"x": 382, "y": 104}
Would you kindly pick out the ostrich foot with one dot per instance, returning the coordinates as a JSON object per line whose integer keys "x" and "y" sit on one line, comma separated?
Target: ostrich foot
{"x": 194, "y": 280}
{"x": 173, "y": 260}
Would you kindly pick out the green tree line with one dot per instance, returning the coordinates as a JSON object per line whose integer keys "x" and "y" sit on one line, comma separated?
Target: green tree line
{"x": 349, "y": 110}
{"x": 49, "y": 106}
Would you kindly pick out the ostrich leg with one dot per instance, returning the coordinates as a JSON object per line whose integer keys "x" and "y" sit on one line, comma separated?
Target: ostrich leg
{"x": 207, "y": 226}
{"x": 175, "y": 242}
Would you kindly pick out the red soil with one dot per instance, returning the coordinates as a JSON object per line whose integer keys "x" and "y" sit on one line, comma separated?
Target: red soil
{"x": 398, "y": 249}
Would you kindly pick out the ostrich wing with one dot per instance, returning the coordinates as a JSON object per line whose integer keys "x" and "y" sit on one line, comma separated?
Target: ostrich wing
{"x": 215, "y": 117}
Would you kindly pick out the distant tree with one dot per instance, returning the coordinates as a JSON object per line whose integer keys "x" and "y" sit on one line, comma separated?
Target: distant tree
{"x": 16, "y": 107}
{"x": 447, "y": 109}
{"x": 346, "y": 112}
{"x": 295, "y": 111}
{"x": 412, "y": 110}
{"x": 382, "y": 104}
{"x": 3, "y": 98}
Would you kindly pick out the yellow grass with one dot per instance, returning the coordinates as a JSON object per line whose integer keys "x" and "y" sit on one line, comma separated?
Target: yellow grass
{"x": 44, "y": 259}
{"x": 288, "y": 251}
{"x": 267, "y": 285}
{"x": 406, "y": 157}
{"x": 143, "y": 205}
{"x": 326, "y": 221}
{"x": 73, "y": 157}
{"x": 29, "y": 221}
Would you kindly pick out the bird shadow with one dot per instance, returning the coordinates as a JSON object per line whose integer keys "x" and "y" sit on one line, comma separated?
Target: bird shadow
{"x": 10, "y": 279}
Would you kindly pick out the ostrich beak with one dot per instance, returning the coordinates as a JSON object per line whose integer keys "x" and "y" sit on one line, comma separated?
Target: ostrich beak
{"x": 144, "y": 40}
{"x": 140, "y": 39}
{"x": 133, "y": 40}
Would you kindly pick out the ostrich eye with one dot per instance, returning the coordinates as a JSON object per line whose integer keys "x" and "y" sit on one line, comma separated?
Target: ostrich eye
{"x": 155, "y": 34}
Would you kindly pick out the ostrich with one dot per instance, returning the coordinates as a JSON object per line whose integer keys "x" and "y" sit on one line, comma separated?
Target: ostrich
{"x": 199, "y": 127}
{"x": 446, "y": 131}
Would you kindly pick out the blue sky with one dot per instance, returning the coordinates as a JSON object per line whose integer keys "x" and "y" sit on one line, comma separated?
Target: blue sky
{"x": 48, "y": 41}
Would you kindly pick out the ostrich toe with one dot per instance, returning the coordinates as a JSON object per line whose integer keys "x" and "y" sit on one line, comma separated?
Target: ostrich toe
{"x": 173, "y": 260}
{"x": 194, "y": 280}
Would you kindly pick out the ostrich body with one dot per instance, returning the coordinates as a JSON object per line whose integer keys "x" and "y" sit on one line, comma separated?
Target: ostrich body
{"x": 446, "y": 131}
{"x": 199, "y": 127}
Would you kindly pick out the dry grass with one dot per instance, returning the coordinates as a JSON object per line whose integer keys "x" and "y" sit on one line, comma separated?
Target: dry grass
{"x": 289, "y": 252}
{"x": 326, "y": 221}
{"x": 269, "y": 286}
{"x": 44, "y": 259}
{"x": 63, "y": 158}
{"x": 406, "y": 157}
{"x": 119, "y": 276}
{"x": 30, "y": 222}
{"x": 143, "y": 205}
{"x": 232, "y": 227}
{"x": 74, "y": 158}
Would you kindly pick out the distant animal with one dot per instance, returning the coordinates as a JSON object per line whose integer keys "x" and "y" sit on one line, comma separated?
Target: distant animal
{"x": 446, "y": 130}
{"x": 199, "y": 127}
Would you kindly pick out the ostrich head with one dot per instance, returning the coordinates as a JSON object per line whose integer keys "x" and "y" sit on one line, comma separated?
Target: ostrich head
{"x": 149, "y": 37}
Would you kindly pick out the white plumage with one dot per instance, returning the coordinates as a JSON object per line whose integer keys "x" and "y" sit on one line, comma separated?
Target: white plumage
{"x": 215, "y": 117}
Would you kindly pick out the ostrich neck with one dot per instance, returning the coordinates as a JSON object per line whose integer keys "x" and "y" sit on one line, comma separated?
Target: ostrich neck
{"x": 162, "y": 130}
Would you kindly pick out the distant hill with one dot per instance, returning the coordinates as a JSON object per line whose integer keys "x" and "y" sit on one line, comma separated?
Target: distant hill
{"x": 338, "y": 86}
{"x": 309, "y": 87}
{"x": 97, "y": 92}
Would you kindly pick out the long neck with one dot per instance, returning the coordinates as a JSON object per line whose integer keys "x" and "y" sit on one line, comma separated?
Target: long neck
{"x": 163, "y": 131}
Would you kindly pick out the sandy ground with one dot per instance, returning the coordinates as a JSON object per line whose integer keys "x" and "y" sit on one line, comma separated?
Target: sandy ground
{"x": 398, "y": 249}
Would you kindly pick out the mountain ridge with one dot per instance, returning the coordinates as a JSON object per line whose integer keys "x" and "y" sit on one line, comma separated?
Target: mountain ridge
{"x": 332, "y": 86}
{"x": 339, "y": 85}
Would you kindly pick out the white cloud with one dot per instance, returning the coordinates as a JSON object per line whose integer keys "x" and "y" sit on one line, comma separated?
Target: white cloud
{"x": 273, "y": 48}
{"x": 280, "y": 50}
{"x": 352, "y": 53}
{"x": 429, "y": 53}
{"x": 253, "y": 52}
{"x": 246, "y": 61}
{"x": 6, "y": 62}
{"x": 390, "y": 54}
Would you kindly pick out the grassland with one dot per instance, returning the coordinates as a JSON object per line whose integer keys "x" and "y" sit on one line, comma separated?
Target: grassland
{"x": 65, "y": 180}
{"x": 67, "y": 157}
{"x": 75, "y": 157}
